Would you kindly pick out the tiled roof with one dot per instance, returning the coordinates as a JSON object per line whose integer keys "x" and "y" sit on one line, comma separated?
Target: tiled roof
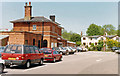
{"x": 110, "y": 36}
{"x": 94, "y": 36}
{"x": 3, "y": 36}
{"x": 35, "y": 19}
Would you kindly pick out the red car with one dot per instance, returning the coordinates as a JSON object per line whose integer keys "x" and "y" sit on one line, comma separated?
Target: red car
{"x": 22, "y": 55}
{"x": 52, "y": 55}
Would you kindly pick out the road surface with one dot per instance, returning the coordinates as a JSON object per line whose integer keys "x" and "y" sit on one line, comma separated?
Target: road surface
{"x": 79, "y": 63}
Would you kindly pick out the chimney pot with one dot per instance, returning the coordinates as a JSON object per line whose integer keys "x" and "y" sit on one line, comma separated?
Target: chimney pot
{"x": 29, "y": 3}
{"x": 52, "y": 17}
{"x": 26, "y": 3}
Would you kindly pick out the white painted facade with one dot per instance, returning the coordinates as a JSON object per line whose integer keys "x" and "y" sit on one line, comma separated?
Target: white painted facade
{"x": 87, "y": 40}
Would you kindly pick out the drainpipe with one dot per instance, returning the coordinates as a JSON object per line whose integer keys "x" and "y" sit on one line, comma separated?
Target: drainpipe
{"x": 42, "y": 34}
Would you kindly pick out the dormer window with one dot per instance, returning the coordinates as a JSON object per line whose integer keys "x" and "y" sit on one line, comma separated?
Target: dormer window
{"x": 34, "y": 27}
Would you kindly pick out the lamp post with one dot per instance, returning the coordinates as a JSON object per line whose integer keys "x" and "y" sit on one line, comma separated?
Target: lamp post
{"x": 42, "y": 33}
{"x": 104, "y": 46}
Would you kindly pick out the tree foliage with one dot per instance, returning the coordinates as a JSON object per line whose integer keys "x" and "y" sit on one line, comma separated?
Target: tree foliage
{"x": 110, "y": 29}
{"x": 98, "y": 30}
{"x": 93, "y": 30}
{"x": 74, "y": 37}
{"x": 112, "y": 43}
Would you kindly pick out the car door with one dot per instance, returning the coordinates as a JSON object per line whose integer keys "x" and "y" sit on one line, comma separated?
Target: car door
{"x": 54, "y": 54}
{"x": 38, "y": 54}
{"x": 58, "y": 55}
{"x": 33, "y": 55}
{"x": 27, "y": 53}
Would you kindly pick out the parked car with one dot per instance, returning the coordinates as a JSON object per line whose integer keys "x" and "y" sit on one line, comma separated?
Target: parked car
{"x": 61, "y": 50}
{"x": 84, "y": 49}
{"x": 22, "y": 55}
{"x": 118, "y": 50}
{"x": 74, "y": 49}
{"x": 70, "y": 50}
{"x": 52, "y": 55}
{"x": 44, "y": 49}
{"x": 2, "y": 64}
{"x": 79, "y": 49}
{"x": 114, "y": 48}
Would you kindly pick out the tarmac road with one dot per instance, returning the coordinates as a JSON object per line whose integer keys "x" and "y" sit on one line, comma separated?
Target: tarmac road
{"x": 78, "y": 63}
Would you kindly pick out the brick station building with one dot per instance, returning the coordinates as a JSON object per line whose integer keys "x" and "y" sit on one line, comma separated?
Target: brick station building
{"x": 36, "y": 31}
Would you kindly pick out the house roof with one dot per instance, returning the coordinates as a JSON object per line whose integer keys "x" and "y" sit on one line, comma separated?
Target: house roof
{"x": 110, "y": 36}
{"x": 94, "y": 36}
{"x": 36, "y": 19}
{"x": 71, "y": 42}
{"x": 3, "y": 36}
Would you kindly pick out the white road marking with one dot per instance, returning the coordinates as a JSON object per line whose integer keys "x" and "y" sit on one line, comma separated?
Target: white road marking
{"x": 34, "y": 68}
{"x": 98, "y": 60}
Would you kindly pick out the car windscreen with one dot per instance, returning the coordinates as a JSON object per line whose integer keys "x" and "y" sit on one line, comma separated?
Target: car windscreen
{"x": 63, "y": 48}
{"x": 47, "y": 52}
{"x": 43, "y": 49}
{"x": 13, "y": 49}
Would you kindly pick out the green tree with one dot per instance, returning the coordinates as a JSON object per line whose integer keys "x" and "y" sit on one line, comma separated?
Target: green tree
{"x": 110, "y": 29}
{"x": 78, "y": 43}
{"x": 100, "y": 45}
{"x": 112, "y": 43}
{"x": 118, "y": 32}
{"x": 75, "y": 37}
{"x": 93, "y": 30}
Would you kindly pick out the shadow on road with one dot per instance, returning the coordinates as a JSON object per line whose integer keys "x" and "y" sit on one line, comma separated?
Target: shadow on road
{"x": 52, "y": 61}
{"x": 22, "y": 67}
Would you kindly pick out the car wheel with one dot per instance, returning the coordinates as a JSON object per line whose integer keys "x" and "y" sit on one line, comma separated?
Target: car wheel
{"x": 1, "y": 68}
{"x": 54, "y": 60}
{"x": 61, "y": 53}
{"x": 41, "y": 62}
{"x": 7, "y": 66}
{"x": 61, "y": 59}
{"x": 28, "y": 64}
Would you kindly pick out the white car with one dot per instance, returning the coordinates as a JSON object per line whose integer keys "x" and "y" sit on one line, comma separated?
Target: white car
{"x": 84, "y": 49}
{"x": 74, "y": 49}
{"x": 117, "y": 51}
{"x": 70, "y": 50}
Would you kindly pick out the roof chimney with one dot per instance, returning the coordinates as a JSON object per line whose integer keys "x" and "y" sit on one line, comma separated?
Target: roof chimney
{"x": 81, "y": 33}
{"x": 28, "y": 11}
{"x": 26, "y": 3}
{"x": 29, "y": 3}
{"x": 52, "y": 17}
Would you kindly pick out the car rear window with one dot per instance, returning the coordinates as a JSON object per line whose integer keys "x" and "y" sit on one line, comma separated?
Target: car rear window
{"x": 47, "y": 52}
{"x": 13, "y": 49}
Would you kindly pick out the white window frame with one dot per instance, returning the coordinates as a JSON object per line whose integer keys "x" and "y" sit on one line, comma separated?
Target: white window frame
{"x": 34, "y": 27}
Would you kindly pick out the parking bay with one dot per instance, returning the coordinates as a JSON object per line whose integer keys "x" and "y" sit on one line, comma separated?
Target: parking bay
{"x": 78, "y": 63}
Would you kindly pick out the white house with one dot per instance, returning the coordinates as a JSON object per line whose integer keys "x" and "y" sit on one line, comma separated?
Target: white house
{"x": 87, "y": 40}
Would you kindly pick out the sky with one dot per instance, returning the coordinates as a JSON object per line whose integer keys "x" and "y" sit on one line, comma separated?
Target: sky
{"x": 73, "y": 16}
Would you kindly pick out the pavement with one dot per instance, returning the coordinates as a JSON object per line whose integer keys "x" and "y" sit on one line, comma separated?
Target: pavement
{"x": 91, "y": 62}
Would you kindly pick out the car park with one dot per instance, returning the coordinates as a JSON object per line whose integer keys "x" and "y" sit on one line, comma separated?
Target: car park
{"x": 52, "y": 55}
{"x": 22, "y": 55}
{"x": 70, "y": 50}
{"x": 84, "y": 50}
{"x": 74, "y": 49}
{"x": 61, "y": 50}
{"x": 79, "y": 49}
